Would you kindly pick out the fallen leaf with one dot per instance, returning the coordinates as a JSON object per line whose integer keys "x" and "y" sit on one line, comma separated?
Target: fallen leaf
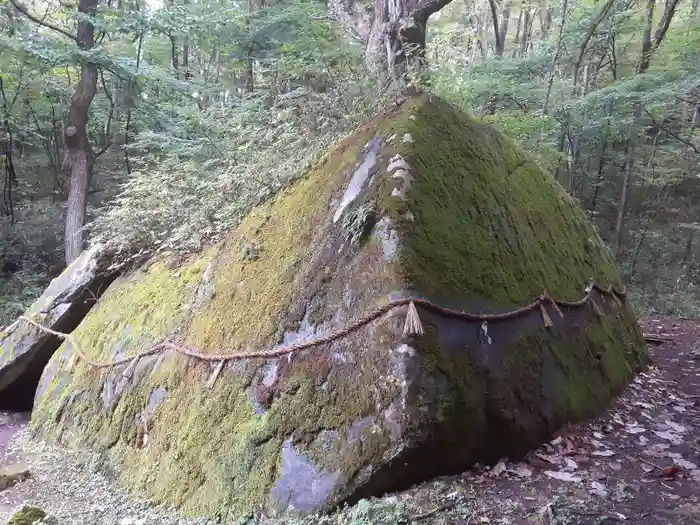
{"x": 687, "y": 465}
{"x": 554, "y": 460}
{"x": 678, "y": 428}
{"x": 540, "y": 463}
{"x": 676, "y": 440}
{"x": 603, "y": 453}
{"x": 570, "y": 464}
{"x": 597, "y": 475}
{"x": 521, "y": 470}
{"x": 563, "y": 476}
{"x": 669, "y": 472}
{"x": 598, "y": 489}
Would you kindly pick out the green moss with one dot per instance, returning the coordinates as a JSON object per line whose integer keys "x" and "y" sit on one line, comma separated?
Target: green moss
{"x": 207, "y": 449}
{"x": 29, "y": 515}
{"x": 252, "y": 295}
{"x": 511, "y": 231}
{"x": 133, "y": 314}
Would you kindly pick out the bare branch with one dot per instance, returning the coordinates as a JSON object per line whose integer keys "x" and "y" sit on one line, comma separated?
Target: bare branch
{"x": 428, "y": 7}
{"x": 41, "y": 22}
{"x": 589, "y": 34}
{"x": 671, "y": 133}
{"x": 105, "y": 148}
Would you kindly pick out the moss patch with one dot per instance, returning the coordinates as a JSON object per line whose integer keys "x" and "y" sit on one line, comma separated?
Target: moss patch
{"x": 511, "y": 231}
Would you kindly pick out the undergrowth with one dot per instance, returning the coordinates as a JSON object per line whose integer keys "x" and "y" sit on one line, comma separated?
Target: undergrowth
{"x": 28, "y": 250}
{"x": 189, "y": 190}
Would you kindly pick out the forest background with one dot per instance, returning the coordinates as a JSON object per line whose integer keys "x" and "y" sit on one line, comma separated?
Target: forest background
{"x": 158, "y": 125}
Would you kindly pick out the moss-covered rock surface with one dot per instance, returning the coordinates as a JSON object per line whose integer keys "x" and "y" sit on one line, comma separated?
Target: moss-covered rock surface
{"x": 422, "y": 201}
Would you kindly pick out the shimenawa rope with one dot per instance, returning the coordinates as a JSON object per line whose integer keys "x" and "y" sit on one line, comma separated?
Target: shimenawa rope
{"x": 412, "y": 326}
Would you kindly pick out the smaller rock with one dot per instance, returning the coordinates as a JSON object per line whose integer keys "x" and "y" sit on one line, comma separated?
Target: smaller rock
{"x": 12, "y": 474}
{"x": 31, "y": 515}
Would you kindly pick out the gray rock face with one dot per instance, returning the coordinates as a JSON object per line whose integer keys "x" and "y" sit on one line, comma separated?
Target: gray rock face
{"x": 25, "y": 350}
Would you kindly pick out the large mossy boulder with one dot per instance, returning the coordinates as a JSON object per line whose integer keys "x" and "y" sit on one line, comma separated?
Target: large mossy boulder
{"x": 421, "y": 202}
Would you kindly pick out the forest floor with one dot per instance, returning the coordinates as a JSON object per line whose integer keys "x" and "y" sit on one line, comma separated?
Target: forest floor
{"x": 638, "y": 463}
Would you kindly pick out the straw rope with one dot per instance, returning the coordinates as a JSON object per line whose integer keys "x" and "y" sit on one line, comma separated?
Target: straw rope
{"x": 412, "y": 327}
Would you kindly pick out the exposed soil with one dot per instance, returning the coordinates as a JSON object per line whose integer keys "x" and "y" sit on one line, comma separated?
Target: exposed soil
{"x": 638, "y": 463}
{"x": 10, "y": 426}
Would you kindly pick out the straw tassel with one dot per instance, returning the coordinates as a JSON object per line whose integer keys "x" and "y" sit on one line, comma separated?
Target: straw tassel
{"x": 71, "y": 364}
{"x": 412, "y": 326}
{"x": 545, "y": 317}
{"x": 215, "y": 374}
{"x": 597, "y": 309}
{"x": 615, "y": 297}
{"x": 547, "y": 297}
{"x": 129, "y": 371}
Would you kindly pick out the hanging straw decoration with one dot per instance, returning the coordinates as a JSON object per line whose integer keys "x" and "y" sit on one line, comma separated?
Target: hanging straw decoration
{"x": 545, "y": 317}
{"x": 215, "y": 374}
{"x": 614, "y": 296}
{"x": 554, "y": 304}
{"x": 597, "y": 309}
{"x": 412, "y": 326}
{"x": 129, "y": 371}
{"x": 71, "y": 363}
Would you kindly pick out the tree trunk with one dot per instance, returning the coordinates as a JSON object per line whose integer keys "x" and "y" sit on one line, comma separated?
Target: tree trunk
{"x": 505, "y": 20}
{"x": 527, "y": 30}
{"x": 517, "y": 33}
{"x": 396, "y": 41}
{"x": 80, "y": 153}
{"x": 498, "y": 48}
{"x": 648, "y": 48}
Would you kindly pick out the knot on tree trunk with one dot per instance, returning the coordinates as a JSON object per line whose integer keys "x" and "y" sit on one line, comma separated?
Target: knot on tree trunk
{"x": 72, "y": 134}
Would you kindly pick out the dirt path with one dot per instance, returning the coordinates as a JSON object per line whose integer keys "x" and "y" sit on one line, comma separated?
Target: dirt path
{"x": 639, "y": 463}
{"x": 11, "y": 425}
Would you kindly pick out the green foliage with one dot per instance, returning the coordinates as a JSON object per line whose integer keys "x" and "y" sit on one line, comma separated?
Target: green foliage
{"x": 359, "y": 222}
{"x": 264, "y": 89}
{"x": 580, "y": 127}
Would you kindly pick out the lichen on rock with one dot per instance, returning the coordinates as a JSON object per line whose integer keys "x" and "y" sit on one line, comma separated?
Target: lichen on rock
{"x": 456, "y": 215}
{"x": 31, "y": 515}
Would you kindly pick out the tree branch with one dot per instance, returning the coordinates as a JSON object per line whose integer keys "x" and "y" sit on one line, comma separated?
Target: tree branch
{"x": 428, "y": 7}
{"x": 41, "y": 22}
{"x": 671, "y": 133}
{"x": 589, "y": 34}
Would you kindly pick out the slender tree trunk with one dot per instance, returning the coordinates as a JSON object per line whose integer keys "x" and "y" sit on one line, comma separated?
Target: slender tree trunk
{"x": 649, "y": 45}
{"x": 555, "y": 58}
{"x": 688, "y": 252}
{"x": 505, "y": 20}
{"x": 517, "y": 33}
{"x": 80, "y": 153}
{"x": 527, "y": 31}
{"x": 499, "y": 44}
{"x": 546, "y": 21}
